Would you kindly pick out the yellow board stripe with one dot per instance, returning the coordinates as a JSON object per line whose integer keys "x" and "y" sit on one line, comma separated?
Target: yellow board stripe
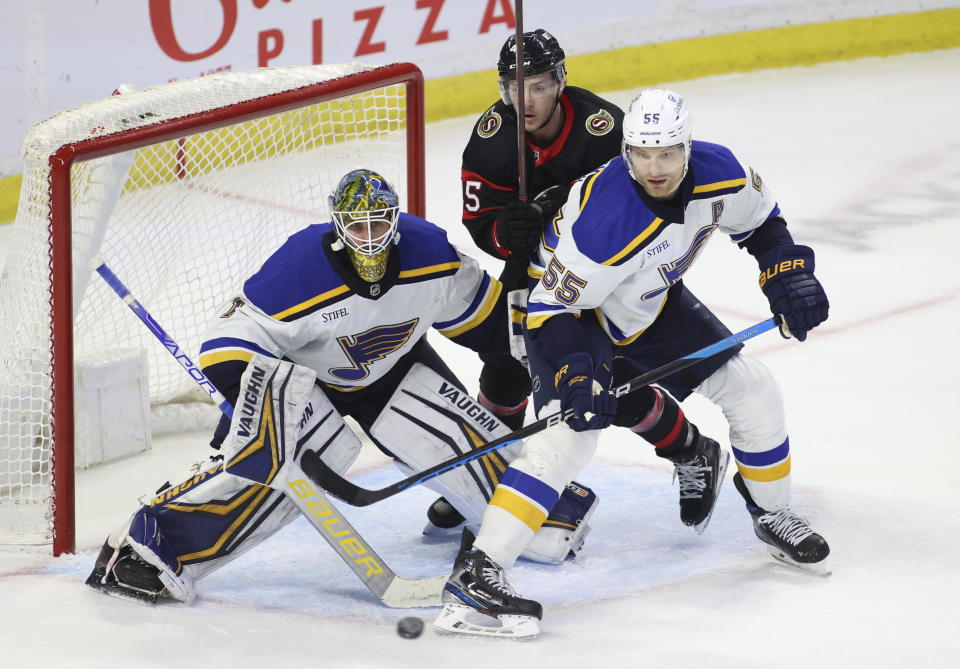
{"x": 518, "y": 507}
{"x": 720, "y": 185}
{"x": 493, "y": 294}
{"x": 432, "y": 269}
{"x": 786, "y": 46}
{"x": 636, "y": 241}
{"x": 213, "y": 358}
{"x": 322, "y": 297}
{"x": 767, "y": 474}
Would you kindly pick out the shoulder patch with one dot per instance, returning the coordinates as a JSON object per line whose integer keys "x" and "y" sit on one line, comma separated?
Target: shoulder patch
{"x": 489, "y": 124}
{"x": 600, "y": 123}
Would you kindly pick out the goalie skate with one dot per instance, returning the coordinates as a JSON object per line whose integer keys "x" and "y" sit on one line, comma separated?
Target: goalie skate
{"x": 788, "y": 536}
{"x": 479, "y": 601}
{"x": 122, "y": 574}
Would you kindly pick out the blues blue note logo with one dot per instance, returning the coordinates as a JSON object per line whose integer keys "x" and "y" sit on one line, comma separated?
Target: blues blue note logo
{"x": 366, "y": 348}
{"x": 672, "y": 272}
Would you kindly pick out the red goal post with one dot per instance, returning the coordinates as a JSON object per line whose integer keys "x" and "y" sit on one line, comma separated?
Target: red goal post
{"x": 184, "y": 188}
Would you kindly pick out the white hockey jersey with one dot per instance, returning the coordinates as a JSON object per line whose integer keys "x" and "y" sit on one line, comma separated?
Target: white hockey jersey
{"x": 606, "y": 250}
{"x": 299, "y": 306}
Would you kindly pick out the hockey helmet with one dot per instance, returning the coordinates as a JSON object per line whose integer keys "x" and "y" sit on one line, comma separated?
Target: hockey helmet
{"x": 657, "y": 118}
{"x": 365, "y": 211}
{"x": 541, "y": 53}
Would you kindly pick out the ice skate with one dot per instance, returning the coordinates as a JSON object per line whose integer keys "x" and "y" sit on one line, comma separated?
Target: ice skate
{"x": 700, "y": 479}
{"x": 124, "y": 575}
{"x": 788, "y": 536}
{"x": 479, "y": 601}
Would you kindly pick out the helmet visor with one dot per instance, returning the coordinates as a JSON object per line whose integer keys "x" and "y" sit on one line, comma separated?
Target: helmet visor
{"x": 537, "y": 87}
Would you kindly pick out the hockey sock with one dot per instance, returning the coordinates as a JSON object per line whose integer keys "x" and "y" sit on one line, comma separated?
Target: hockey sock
{"x": 667, "y": 428}
{"x": 516, "y": 511}
{"x": 511, "y": 416}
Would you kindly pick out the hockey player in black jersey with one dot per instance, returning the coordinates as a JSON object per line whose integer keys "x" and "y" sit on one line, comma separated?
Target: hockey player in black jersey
{"x": 569, "y": 132}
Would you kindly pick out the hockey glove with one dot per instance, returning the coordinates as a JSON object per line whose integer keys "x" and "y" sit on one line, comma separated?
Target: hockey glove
{"x": 584, "y": 391}
{"x": 518, "y": 227}
{"x": 786, "y": 278}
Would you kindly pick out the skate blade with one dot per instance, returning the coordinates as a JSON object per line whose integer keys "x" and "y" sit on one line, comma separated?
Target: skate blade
{"x": 142, "y": 598}
{"x": 821, "y": 568}
{"x": 462, "y": 620}
{"x": 722, "y": 466}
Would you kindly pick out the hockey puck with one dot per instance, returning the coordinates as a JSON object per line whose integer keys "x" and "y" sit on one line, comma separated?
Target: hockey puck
{"x": 410, "y": 627}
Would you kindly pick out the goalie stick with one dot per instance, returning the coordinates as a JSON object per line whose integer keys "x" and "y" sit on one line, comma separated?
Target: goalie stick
{"x": 352, "y": 494}
{"x": 393, "y": 590}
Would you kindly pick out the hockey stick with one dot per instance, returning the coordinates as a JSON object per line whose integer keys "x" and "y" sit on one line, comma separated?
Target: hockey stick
{"x": 521, "y": 105}
{"x": 394, "y": 591}
{"x": 352, "y": 494}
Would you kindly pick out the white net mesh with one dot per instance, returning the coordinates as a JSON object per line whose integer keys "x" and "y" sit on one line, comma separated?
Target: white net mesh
{"x": 182, "y": 223}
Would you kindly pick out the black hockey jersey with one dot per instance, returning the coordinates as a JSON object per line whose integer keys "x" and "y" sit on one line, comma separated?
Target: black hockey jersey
{"x": 590, "y": 136}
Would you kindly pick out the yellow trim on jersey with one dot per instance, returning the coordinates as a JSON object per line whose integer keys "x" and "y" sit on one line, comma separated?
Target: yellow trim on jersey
{"x": 519, "y": 507}
{"x": 493, "y": 294}
{"x": 767, "y": 474}
{"x": 635, "y": 242}
{"x": 719, "y": 185}
{"x": 234, "y": 526}
{"x": 343, "y": 389}
{"x": 587, "y": 189}
{"x": 216, "y": 357}
{"x": 534, "y": 273}
{"x": 534, "y": 322}
{"x": 632, "y": 338}
{"x": 432, "y": 269}
{"x": 322, "y": 297}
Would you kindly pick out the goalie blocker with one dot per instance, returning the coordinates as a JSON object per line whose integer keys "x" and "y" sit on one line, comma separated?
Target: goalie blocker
{"x": 217, "y": 513}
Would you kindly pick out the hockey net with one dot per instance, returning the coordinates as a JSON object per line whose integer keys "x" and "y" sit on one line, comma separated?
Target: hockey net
{"x": 184, "y": 189}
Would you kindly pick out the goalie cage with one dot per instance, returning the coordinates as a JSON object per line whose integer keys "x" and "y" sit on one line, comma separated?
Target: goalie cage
{"x": 185, "y": 188}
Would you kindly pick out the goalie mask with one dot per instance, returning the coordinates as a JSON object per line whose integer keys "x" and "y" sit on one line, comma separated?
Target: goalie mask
{"x": 657, "y": 120}
{"x": 541, "y": 55}
{"x": 365, "y": 212}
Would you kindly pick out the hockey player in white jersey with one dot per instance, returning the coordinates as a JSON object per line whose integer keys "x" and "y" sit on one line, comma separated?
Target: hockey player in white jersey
{"x": 609, "y": 284}
{"x": 351, "y": 301}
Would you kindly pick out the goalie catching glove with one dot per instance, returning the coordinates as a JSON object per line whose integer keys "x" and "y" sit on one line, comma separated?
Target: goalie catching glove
{"x": 584, "y": 390}
{"x": 786, "y": 278}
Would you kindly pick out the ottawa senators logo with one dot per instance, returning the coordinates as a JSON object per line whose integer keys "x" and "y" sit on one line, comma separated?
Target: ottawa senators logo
{"x": 489, "y": 124}
{"x": 600, "y": 123}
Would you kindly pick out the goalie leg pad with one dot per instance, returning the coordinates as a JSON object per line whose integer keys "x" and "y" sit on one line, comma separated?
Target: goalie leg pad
{"x": 430, "y": 419}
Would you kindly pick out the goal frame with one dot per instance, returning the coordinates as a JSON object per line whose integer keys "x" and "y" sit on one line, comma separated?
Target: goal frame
{"x": 60, "y": 229}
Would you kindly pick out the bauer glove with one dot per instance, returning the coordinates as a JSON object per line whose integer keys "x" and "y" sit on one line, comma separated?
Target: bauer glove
{"x": 518, "y": 226}
{"x": 584, "y": 391}
{"x": 786, "y": 278}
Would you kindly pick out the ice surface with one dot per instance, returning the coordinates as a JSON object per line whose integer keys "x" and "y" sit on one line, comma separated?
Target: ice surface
{"x": 864, "y": 158}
